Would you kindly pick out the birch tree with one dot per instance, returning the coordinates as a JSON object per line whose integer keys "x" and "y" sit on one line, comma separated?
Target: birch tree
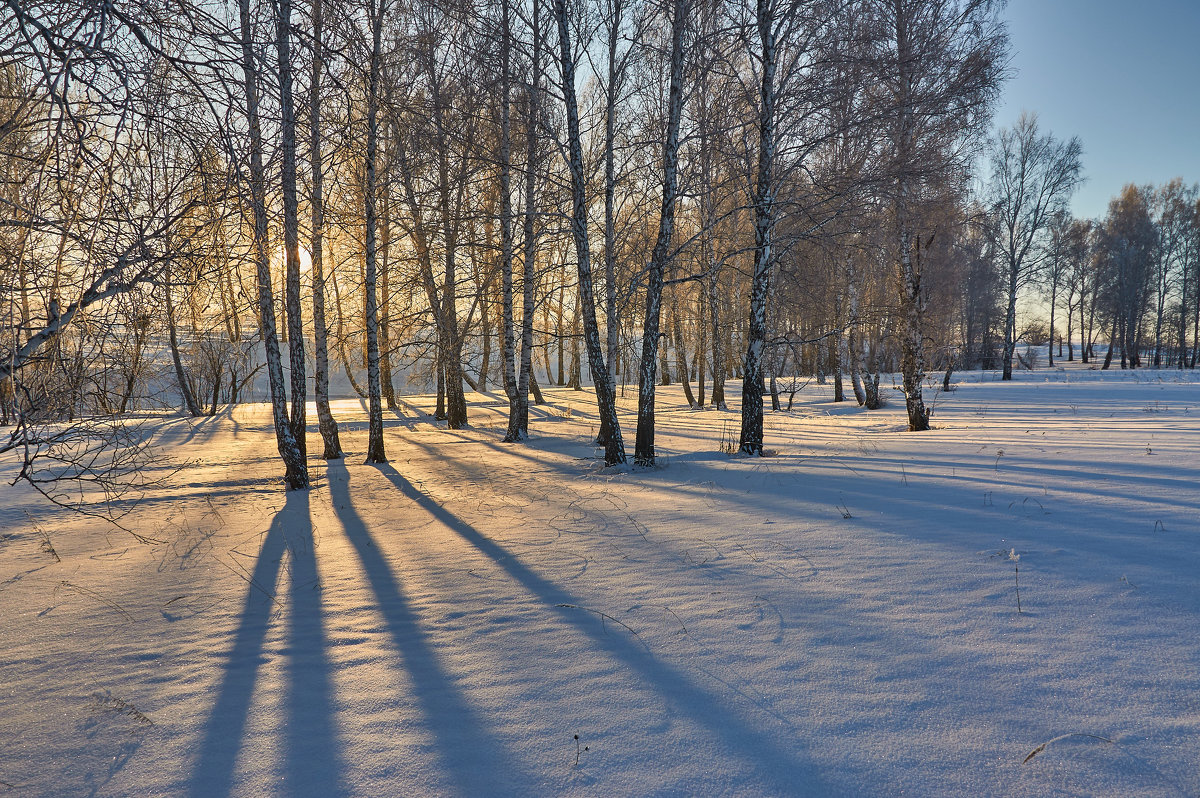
{"x": 375, "y": 446}
{"x": 644, "y": 443}
{"x": 614, "y": 445}
{"x": 296, "y": 467}
{"x": 325, "y": 421}
{"x": 1033, "y": 177}
{"x": 939, "y": 65}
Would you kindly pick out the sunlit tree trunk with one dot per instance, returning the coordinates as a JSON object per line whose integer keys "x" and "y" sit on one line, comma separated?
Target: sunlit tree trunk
{"x": 325, "y": 421}
{"x": 612, "y": 330}
{"x": 185, "y": 389}
{"x": 681, "y": 357}
{"x": 529, "y": 250}
{"x": 385, "y": 298}
{"x": 750, "y": 440}
{"x": 296, "y": 469}
{"x": 375, "y": 447}
{"x": 291, "y": 225}
{"x": 508, "y": 347}
{"x": 614, "y": 446}
{"x": 643, "y": 452}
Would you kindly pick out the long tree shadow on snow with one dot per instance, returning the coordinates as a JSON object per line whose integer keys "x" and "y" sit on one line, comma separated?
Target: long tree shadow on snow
{"x": 778, "y": 766}
{"x": 470, "y": 754}
{"x": 311, "y": 753}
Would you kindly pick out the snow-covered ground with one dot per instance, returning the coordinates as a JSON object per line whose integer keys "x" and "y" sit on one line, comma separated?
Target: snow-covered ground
{"x": 485, "y": 619}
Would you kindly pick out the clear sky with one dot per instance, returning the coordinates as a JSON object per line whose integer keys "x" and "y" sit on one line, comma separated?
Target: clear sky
{"x": 1122, "y": 75}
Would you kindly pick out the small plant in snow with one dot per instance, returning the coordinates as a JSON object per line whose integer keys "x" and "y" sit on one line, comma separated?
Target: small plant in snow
{"x": 46, "y": 547}
{"x": 578, "y": 751}
{"x": 729, "y": 443}
{"x": 1015, "y": 559}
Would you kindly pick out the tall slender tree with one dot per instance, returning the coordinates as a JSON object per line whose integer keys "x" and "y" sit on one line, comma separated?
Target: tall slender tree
{"x": 1033, "y": 177}
{"x": 296, "y": 467}
{"x": 643, "y": 453}
{"x": 614, "y": 445}
{"x": 325, "y": 420}
{"x": 375, "y": 446}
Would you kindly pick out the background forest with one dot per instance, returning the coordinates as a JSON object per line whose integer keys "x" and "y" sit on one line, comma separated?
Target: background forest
{"x": 443, "y": 196}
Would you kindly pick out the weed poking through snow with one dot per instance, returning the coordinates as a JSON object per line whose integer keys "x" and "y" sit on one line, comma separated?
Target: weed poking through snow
{"x": 578, "y": 751}
{"x": 1016, "y": 559}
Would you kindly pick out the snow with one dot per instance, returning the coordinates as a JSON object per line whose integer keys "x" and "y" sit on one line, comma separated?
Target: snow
{"x": 839, "y": 618}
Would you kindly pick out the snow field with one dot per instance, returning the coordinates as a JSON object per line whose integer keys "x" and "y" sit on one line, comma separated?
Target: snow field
{"x": 839, "y": 618}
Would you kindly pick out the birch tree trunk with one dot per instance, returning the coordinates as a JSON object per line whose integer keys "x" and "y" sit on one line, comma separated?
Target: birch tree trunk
{"x": 529, "y": 253}
{"x": 643, "y": 451}
{"x": 384, "y": 266}
{"x": 375, "y": 447}
{"x": 912, "y": 341}
{"x": 291, "y": 225}
{"x": 325, "y": 421}
{"x": 612, "y": 324}
{"x": 853, "y": 341}
{"x": 701, "y": 347}
{"x": 614, "y": 446}
{"x": 912, "y": 338}
{"x": 185, "y": 390}
{"x": 514, "y": 432}
{"x": 1010, "y": 324}
{"x": 295, "y": 467}
{"x": 750, "y": 440}
{"x": 718, "y": 349}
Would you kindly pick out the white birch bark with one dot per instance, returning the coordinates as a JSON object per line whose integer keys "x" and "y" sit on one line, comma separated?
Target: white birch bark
{"x": 325, "y": 421}
{"x": 291, "y": 224}
{"x": 750, "y": 439}
{"x": 614, "y": 446}
{"x": 375, "y": 447}
{"x": 296, "y": 469}
{"x": 643, "y": 452}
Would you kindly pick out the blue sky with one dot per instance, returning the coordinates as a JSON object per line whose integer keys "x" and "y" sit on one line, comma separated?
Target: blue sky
{"x": 1123, "y": 76}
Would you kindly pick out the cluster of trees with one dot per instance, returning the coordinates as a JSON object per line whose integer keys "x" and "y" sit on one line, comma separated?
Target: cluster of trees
{"x": 755, "y": 186}
{"x": 1129, "y": 279}
{"x": 465, "y": 193}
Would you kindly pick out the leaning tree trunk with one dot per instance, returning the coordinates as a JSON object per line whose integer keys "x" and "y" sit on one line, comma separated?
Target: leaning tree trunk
{"x": 185, "y": 389}
{"x": 681, "y": 358}
{"x": 341, "y": 342}
{"x": 295, "y": 466}
{"x": 614, "y": 446}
